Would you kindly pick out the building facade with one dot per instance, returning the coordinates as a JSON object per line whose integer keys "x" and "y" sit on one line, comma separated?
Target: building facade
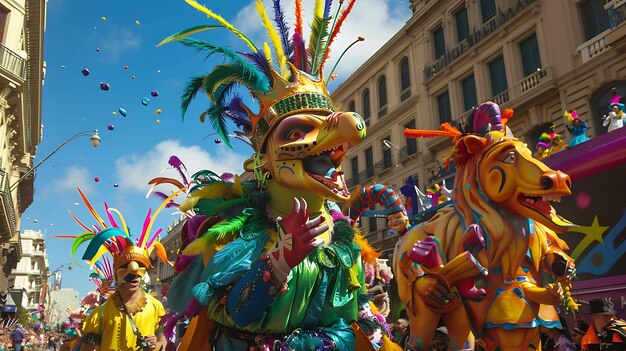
{"x": 60, "y": 300}
{"x": 162, "y": 275}
{"x": 30, "y": 275}
{"x": 22, "y": 24}
{"x": 538, "y": 57}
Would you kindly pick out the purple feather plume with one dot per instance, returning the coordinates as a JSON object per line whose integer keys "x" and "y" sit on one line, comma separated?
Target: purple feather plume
{"x": 283, "y": 29}
{"x": 170, "y": 321}
{"x": 175, "y": 162}
{"x": 299, "y": 59}
{"x": 327, "y": 6}
{"x": 237, "y": 114}
{"x": 193, "y": 308}
{"x": 259, "y": 61}
{"x": 182, "y": 261}
{"x": 487, "y": 118}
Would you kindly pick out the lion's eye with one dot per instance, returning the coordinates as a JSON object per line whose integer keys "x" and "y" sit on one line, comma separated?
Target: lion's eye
{"x": 510, "y": 157}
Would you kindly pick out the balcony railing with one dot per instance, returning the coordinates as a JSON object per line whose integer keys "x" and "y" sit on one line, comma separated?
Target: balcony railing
{"x": 474, "y": 38}
{"x": 8, "y": 228}
{"x": 406, "y": 153}
{"x": 367, "y": 174}
{"x": 382, "y": 166}
{"x": 617, "y": 14}
{"x": 593, "y": 47}
{"x": 12, "y": 62}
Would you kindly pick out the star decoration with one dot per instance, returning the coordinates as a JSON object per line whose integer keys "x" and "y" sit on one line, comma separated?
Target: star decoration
{"x": 592, "y": 233}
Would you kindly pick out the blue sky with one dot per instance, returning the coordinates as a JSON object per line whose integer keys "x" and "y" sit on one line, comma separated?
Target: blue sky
{"x": 138, "y": 147}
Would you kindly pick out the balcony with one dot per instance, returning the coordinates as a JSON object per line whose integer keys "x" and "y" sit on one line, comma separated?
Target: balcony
{"x": 593, "y": 47}
{"x": 12, "y": 62}
{"x": 8, "y": 221}
{"x": 488, "y": 28}
{"x": 367, "y": 174}
{"x": 616, "y": 38}
{"x": 382, "y": 166}
{"x": 407, "y": 152}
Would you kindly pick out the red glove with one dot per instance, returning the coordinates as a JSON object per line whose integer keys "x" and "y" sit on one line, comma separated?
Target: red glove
{"x": 296, "y": 239}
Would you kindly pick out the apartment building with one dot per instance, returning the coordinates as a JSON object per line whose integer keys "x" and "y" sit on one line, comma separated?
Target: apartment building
{"x": 31, "y": 273}
{"x": 538, "y": 57}
{"x": 22, "y": 24}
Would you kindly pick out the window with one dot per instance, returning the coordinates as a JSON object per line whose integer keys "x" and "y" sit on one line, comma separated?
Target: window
{"x": 369, "y": 163}
{"x": 440, "y": 42}
{"x": 405, "y": 79}
{"x": 367, "y": 112}
{"x": 354, "y": 165}
{"x": 373, "y": 225}
{"x": 443, "y": 104}
{"x": 387, "y": 154}
{"x": 382, "y": 92}
{"x": 497, "y": 72}
{"x": 487, "y": 9}
{"x": 411, "y": 143}
{"x": 530, "y": 55}
{"x": 595, "y": 17}
{"x": 469, "y": 93}
{"x": 4, "y": 15}
{"x": 351, "y": 106}
{"x": 462, "y": 25}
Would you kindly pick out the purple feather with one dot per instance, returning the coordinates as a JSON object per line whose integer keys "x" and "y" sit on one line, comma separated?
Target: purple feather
{"x": 236, "y": 113}
{"x": 182, "y": 261}
{"x": 193, "y": 308}
{"x": 327, "y": 6}
{"x": 169, "y": 321}
{"x": 228, "y": 177}
{"x": 160, "y": 195}
{"x": 259, "y": 61}
{"x": 487, "y": 118}
{"x": 300, "y": 53}
{"x": 175, "y": 162}
{"x": 283, "y": 29}
{"x": 172, "y": 204}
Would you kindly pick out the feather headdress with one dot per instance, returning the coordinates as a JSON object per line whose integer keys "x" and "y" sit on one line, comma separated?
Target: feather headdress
{"x": 284, "y": 78}
{"x": 115, "y": 238}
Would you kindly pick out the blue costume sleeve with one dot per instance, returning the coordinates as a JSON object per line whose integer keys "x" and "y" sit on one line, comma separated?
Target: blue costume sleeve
{"x": 249, "y": 297}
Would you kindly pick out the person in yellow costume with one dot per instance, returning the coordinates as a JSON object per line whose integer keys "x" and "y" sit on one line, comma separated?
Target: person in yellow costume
{"x": 130, "y": 318}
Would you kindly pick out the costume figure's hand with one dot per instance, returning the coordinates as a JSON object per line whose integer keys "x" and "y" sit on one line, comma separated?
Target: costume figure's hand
{"x": 555, "y": 292}
{"x": 296, "y": 239}
{"x": 152, "y": 341}
{"x": 435, "y": 291}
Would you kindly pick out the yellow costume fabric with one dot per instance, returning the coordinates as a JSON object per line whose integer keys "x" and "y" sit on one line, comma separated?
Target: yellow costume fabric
{"x": 116, "y": 332}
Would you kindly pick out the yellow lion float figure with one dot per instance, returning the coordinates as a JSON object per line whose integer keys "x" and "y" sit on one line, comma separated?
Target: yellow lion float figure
{"x": 477, "y": 264}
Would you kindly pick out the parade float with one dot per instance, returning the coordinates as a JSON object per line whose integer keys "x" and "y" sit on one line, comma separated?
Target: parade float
{"x": 490, "y": 264}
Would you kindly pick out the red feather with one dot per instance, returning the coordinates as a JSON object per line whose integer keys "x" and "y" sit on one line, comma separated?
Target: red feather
{"x": 161, "y": 180}
{"x": 414, "y": 133}
{"x": 342, "y": 17}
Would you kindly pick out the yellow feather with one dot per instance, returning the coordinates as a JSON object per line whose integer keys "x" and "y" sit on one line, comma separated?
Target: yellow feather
{"x": 268, "y": 53}
{"x": 223, "y": 22}
{"x": 319, "y": 8}
{"x": 237, "y": 188}
{"x": 273, "y": 35}
{"x": 210, "y": 191}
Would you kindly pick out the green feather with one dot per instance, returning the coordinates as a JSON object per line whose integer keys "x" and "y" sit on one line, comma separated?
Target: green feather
{"x": 208, "y": 207}
{"x": 194, "y": 85}
{"x": 231, "y": 226}
{"x": 247, "y": 71}
{"x": 214, "y": 112}
{"x": 187, "y": 32}
{"x": 80, "y": 239}
{"x": 227, "y": 73}
{"x": 317, "y": 41}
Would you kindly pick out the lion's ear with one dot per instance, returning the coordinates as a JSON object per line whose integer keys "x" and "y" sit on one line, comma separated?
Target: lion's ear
{"x": 474, "y": 144}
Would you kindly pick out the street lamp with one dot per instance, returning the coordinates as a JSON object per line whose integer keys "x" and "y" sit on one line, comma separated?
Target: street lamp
{"x": 388, "y": 145}
{"x": 95, "y": 141}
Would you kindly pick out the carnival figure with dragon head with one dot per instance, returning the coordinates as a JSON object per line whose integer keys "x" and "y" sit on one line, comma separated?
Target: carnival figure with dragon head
{"x": 272, "y": 263}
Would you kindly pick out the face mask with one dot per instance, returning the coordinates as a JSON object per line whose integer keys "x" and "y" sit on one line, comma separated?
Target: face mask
{"x": 130, "y": 272}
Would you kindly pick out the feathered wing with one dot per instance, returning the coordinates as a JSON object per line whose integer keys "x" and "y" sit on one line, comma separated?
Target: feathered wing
{"x": 317, "y": 42}
{"x": 188, "y": 32}
{"x": 194, "y": 85}
{"x": 274, "y": 38}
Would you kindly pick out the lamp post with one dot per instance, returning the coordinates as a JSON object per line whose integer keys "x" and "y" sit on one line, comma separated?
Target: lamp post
{"x": 95, "y": 141}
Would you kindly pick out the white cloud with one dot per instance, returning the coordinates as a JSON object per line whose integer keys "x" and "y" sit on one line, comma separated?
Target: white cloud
{"x": 376, "y": 20}
{"x": 74, "y": 177}
{"x": 134, "y": 171}
{"x": 115, "y": 41}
